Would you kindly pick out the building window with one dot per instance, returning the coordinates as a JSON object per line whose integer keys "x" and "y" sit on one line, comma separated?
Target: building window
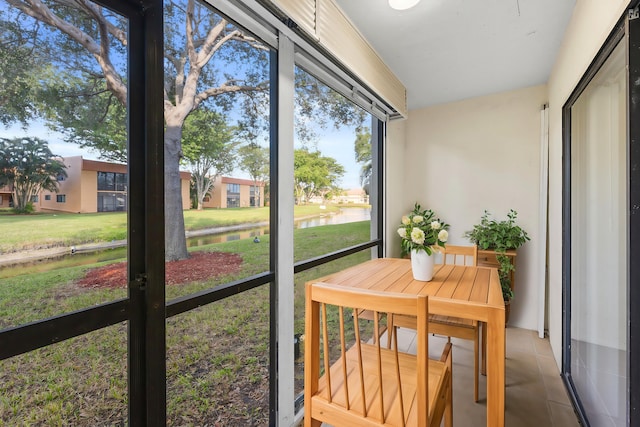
{"x": 47, "y": 197}
{"x": 112, "y": 202}
{"x": 34, "y": 199}
{"x": 233, "y": 195}
{"x": 254, "y": 196}
{"x": 60, "y": 177}
{"x": 233, "y": 188}
{"x": 112, "y": 181}
{"x": 233, "y": 200}
{"x": 61, "y": 198}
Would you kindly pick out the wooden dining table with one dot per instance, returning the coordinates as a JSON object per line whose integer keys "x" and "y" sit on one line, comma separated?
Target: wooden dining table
{"x": 462, "y": 291}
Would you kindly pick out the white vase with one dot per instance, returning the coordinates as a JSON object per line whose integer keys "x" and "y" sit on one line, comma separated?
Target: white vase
{"x": 422, "y": 265}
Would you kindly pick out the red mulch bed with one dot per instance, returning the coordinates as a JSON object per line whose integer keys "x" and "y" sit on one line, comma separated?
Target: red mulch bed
{"x": 198, "y": 267}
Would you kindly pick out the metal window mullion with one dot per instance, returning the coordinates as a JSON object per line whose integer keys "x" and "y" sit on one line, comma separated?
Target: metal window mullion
{"x": 633, "y": 237}
{"x": 377, "y": 193}
{"x": 154, "y": 232}
{"x": 284, "y": 236}
{"x": 136, "y": 220}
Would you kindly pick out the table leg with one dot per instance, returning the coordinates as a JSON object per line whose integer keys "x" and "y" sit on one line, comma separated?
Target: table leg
{"x": 495, "y": 367}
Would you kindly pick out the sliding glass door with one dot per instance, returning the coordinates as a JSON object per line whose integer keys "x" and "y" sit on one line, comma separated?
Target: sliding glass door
{"x": 598, "y": 242}
{"x": 601, "y": 232}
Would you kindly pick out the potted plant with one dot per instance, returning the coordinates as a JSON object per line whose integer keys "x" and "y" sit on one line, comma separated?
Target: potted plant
{"x": 422, "y": 234}
{"x": 500, "y": 236}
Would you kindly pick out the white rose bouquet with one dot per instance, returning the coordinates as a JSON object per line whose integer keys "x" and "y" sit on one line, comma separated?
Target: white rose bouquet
{"x": 423, "y": 231}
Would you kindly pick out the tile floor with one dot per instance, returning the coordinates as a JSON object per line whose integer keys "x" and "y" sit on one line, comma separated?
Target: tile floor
{"x": 535, "y": 394}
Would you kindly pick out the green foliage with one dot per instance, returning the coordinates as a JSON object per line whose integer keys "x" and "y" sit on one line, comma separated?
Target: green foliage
{"x": 87, "y": 114}
{"x": 28, "y": 165}
{"x": 316, "y": 105}
{"x": 504, "y": 273}
{"x": 315, "y": 174}
{"x": 499, "y": 236}
{"x": 20, "y": 65}
{"x": 362, "y": 149}
{"x": 254, "y": 160}
{"x": 28, "y": 209}
{"x": 208, "y": 150}
{"x": 423, "y": 231}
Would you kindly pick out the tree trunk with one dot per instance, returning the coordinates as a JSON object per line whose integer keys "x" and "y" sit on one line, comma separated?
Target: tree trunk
{"x": 175, "y": 242}
{"x": 200, "y": 191}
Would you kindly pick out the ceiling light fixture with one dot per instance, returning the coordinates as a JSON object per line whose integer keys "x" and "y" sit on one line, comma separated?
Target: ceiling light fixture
{"x": 402, "y": 4}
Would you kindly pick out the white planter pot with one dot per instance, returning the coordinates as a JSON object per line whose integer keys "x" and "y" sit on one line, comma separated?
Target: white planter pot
{"x": 422, "y": 265}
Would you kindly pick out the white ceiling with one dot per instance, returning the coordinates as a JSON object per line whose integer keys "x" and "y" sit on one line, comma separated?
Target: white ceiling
{"x": 448, "y": 50}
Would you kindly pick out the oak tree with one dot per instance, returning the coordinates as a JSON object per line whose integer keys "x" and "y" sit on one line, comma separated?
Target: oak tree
{"x": 209, "y": 150}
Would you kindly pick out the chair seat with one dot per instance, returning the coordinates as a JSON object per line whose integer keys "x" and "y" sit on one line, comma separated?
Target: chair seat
{"x": 438, "y": 376}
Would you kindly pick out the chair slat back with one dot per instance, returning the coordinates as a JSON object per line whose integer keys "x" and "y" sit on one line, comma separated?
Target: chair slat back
{"x": 460, "y": 255}
{"x": 363, "y": 377}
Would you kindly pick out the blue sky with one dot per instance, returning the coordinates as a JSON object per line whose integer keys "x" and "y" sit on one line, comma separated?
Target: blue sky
{"x": 339, "y": 145}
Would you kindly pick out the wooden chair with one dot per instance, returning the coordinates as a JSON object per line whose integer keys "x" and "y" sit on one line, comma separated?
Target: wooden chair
{"x": 364, "y": 383}
{"x": 464, "y": 255}
{"x": 455, "y": 326}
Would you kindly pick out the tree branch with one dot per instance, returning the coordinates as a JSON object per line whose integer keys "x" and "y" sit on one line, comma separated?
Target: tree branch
{"x": 38, "y": 10}
{"x": 214, "y": 91}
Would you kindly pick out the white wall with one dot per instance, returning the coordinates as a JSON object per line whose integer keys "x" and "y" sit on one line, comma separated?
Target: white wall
{"x": 590, "y": 24}
{"x": 482, "y": 153}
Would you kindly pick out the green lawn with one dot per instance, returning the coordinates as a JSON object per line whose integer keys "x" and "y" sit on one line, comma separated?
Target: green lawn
{"x": 217, "y": 355}
{"x": 42, "y": 230}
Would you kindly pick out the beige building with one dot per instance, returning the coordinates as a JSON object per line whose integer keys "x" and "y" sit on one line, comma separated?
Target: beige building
{"x": 93, "y": 186}
{"x": 235, "y": 193}
{"x": 354, "y": 195}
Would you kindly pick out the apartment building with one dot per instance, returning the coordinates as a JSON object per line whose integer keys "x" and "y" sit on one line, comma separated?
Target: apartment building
{"x": 93, "y": 186}
{"x": 235, "y": 193}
